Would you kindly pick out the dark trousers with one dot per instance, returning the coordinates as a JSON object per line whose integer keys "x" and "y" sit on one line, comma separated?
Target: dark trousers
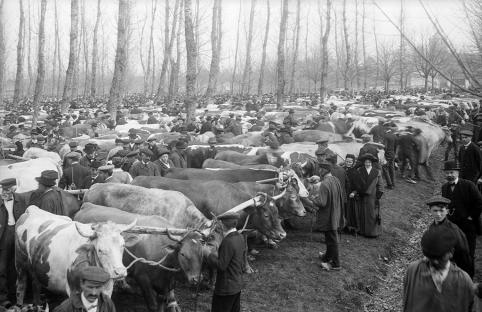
{"x": 427, "y": 169}
{"x": 388, "y": 171}
{"x": 229, "y": 303}
{"x": 455, "y": 146}
{"x": 470, "y": 231}
{"x": 408, "y": 158}
{"x": 331, "y": 241}
{"x": 8, "y": 276}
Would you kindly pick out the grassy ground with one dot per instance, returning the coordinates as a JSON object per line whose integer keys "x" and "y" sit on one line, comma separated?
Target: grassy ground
{"x": 290, "y": 278}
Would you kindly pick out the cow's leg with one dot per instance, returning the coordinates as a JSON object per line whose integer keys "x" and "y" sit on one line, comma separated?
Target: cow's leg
{"x": 172, "y": 305}
{"x": 148, "y": 292}
{"x": 247, "y": 267}
{"x": 36, "y": 290}
{"x": 21, "y": 285}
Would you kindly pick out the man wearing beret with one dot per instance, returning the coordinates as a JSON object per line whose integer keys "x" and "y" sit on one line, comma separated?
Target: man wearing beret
{"x": 90, "y": 298}
{"x": 74, "y": 174}
{"x": 11, "y": 208}
{"x": 48, "y": 197}
{"x": 230, "y": 267}
{"x": 434, "y": 284}
{"x": 465, "y": 203}
{"x": 438, "y": 206}
{"x": 469, "y": 158}
{"x": 144, "y": 167}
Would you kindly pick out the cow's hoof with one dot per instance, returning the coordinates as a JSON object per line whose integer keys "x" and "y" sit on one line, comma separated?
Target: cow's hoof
{"x": 254, "y": 252}
{"x": 173, "y": 307}
{"x": 249, "y": 270}
{"x": 273, "y": 245}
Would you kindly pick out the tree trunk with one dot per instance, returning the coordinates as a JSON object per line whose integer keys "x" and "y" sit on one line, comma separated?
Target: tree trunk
{"x": 148, "y": 79}
{"x": 297, "y": 43}
{"x": 176, "y": 65}
{"x": 324, "y": 47}
{"x": 355, "y": 53}
{"x": 233, "y": 77}
{"x": 59, "y": 57}
{"x": 265, "y": 43}
{"x": 120, "y": 64}
{"x": 73, "y": 60}
{"x": 151, "y": 47}
{"x": 426, "y": 83}
{"x": 191, "y": 60}
{"x": 29, "y": 57}
{"x": 39, "y": 84}
{"x": 337, "y": 54}
{"x": 141, "y": 54}
{"x": 402, "y": 26}
{"x": 365, "y": 72}
{"x": 346, "y": 72}
{"x": 93, "y": 80}
{"x": 17, "y": 93}
{"x": 216, "y": 35}
{"x": 3, "y": 54}
{"x": 377, "y": 56}
{"x": 102, "y": 70}
{"x": 245, "y": 85}
{"x": 54, "y": 60}
{"x": 280, "y": 68}
{"x": 85, "y": 44}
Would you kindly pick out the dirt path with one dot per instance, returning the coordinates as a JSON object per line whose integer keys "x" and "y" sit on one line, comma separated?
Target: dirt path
{"x": 290, "y": 279}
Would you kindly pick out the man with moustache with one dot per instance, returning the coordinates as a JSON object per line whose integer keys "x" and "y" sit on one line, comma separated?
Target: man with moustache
{"x": 465, "y": 203}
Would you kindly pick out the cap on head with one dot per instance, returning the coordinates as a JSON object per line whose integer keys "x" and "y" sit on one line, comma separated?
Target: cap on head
{"x": 437, "y": 241}
{"x": 367, "y": 156}
{"x": 7, "y": 183}
{"x": 466, "y": 132}
{"x": 95, "y": 275}
{"x": 73, "y": 156}
{"x": 106, "y": 167}
{"x": 438, "y": 200}
{"x": 181, "y": 144}
{"x": 48, "y": 177}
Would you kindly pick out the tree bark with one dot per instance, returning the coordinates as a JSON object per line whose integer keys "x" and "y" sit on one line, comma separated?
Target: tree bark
{"x": 148, "y": 78}
{"x": 17, "y": 93}
{"x": 246, "y": 81}
{"x": 337, "y": 54}
{"x": 120, "y": 64}
{"x": 265, "y": 43}
{"x": 73, "y": 60}
{"x": 280, "y": 68}
{"x": 365, "y": 71}
{"x": 59, "y": 57}
{"x": 324, "y": 47}
{"x": 216, "y": 35}
{"x": 377, "y": 57}
{"x": 85, "y": 44}
{"x": 297, "y": 44}
{"x": 29, "y": 57}
{"x": 191, "y": 60}
{"x": 3, "y": 54}
{"x": 151, "y": 47}
{"x": 176, "y": 64}
{"x": 141, "y": 55}
{"x": 402, "y": 26}
{"x": 233, "y": 77}
{"x": 346, "y": 72}
{"x": 355, "y": 52}
{"x": 95, "y": 49}
{"x": 54, "y": 59}
{"x": 39, "y": 83}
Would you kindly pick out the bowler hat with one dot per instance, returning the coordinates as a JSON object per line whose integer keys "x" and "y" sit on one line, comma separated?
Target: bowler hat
{"x": 6, "y": 183}
{"x": 437, "y": 200}
{"x": 466, "y": 132}
{"x": 437, "y": 241}
{"x": 94, "y": 274}
{"x": 89, "y": 148}
{"x": 48, "y": 177}
{"x": 451, "y": 165}
{"x": 367, "y": 156}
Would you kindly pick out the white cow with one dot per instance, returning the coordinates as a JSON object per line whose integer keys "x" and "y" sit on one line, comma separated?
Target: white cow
{"x": 25, "y": 172}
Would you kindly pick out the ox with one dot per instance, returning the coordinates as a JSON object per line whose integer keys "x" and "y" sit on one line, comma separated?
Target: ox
{"x": 51, "y": 248}
{"x": 197, "y": 154}
{"x": 177, "y": 254}
{"x": 247, "y": 160}
{"x": 35, "y": 152}
{"x": 25, "y": 172}
{"x": 233, "y": 176}
{"x": 221, "y": 164}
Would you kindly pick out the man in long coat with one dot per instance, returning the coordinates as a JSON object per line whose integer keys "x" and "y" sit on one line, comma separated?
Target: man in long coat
{"x": 328, "y": 198}
{"x": 469, "y": 157}
{"x": 48, "y": 197}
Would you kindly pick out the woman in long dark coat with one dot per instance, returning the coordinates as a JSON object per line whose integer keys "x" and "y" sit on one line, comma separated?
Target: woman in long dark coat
{"x": 352, "y": 214}
{"x": 368, "y": 193}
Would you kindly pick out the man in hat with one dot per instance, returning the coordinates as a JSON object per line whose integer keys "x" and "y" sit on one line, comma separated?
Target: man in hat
{"x": 152, "y": 146}
{"x": 455, "y": 135}
{"x": 290, "y": 119}
{"x": 105, "y": 172}
{"x": 19, "y": 151}
{"x": 206, "y": 125}
{"x": 178, "y": 154}
{"x": 74, "y": 147}
{"x": 235, "y": 126}
{"x": 163, "y": 163}
{"x": 212, "y": 151}
{"x": 94, "y": 176}
{"x": 477, "y": 128}
{"x": 130, "y": 159}
{"x": 90, "y": 298}
{"x": 230, "y": 265}
{"x": 407, "y": 155}
{"x": 119, "y": 175}
{"x": 327, "y": 198}
{"x": 433, "y": 283}
{"x": 11, "y": 208}
{"x": 74, "y": 174}
{"x": 422, "y": 155}
{"x": 89, "y": 157}
{"x": 438, "y": 207}
{"x": 323, "y": 147}
{"x": 48, "y": 197}
{"x": 151, "y": 120}
{"x": 144, "y": 167}
{"x": 465, "y": 203}
{"x": 378, "y": 131}
{"x": 390, "y": 142}
{"x": 469, "y": 158}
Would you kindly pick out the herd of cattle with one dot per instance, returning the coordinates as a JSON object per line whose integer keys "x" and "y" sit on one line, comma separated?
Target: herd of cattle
{"x": 119, "y": 226}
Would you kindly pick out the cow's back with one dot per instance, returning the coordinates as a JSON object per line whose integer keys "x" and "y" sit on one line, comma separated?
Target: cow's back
{"x": 228, "y": 175}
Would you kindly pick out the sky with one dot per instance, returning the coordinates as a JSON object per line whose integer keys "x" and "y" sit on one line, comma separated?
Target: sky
{"x": 449, "y": 13}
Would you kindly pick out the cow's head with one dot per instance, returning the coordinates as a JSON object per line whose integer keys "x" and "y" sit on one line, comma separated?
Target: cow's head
{"x": 289, "y": 201}
{"x": 265, "y": 218}
{"x": 190, "y": 251}
{"x": 291, "y": 174}
{"x": 108, "y": 245}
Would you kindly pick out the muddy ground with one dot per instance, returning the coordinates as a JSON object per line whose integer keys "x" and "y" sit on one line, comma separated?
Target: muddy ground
{"x": 290, "y": 278}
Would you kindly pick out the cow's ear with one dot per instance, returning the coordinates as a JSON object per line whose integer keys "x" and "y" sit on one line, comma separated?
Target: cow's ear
{"x": 131, "y": 239}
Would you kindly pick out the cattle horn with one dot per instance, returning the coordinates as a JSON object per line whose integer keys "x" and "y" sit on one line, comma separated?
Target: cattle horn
{"x": 82, "y": 232}
{"x": 128, "y": 226}
{"x": 267, "y": 180}
{"x": 279, "y": 195}
{"x": 251, "y": 202}
{"x": 171, "y": 237}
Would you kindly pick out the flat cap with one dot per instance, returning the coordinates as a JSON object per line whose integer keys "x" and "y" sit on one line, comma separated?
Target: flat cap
{"x": 73, "y": 144}
{"x": 229, "y": 216}
{"x": 161, "y": 151}
{"x": 437, "y": 241}
{"x": 437, "y": 200}
{"x": 466, "y": 132}
{"x": 181, "y": 144}
{"x": 320, "y": 151}
{"x": 73, "y": 155}
{"x": 94, "y": 274}
{"x": 6, "y": 183}
{"x": 117, "y": 161}
{"x": 133, "y": 153}
{"x": 106, "y": 167}
{"x": 145, "y": 151}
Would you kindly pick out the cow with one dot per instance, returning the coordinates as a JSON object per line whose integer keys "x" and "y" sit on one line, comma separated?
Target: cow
{"x": 246, "y": 160}
{"x": 316, "y": 135}
{"x": 234, "y": 175}
{"x": 35, "y": 152}
{"x": 51, "y": 248}
{"x": 197, "y": 154}
{"x": 254, "y": 138}
{"x": 216, "y": 197}
{"x": 221, "y": 164}
{"x": 25, "y": 172}
{"x": 178, "y": 254}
